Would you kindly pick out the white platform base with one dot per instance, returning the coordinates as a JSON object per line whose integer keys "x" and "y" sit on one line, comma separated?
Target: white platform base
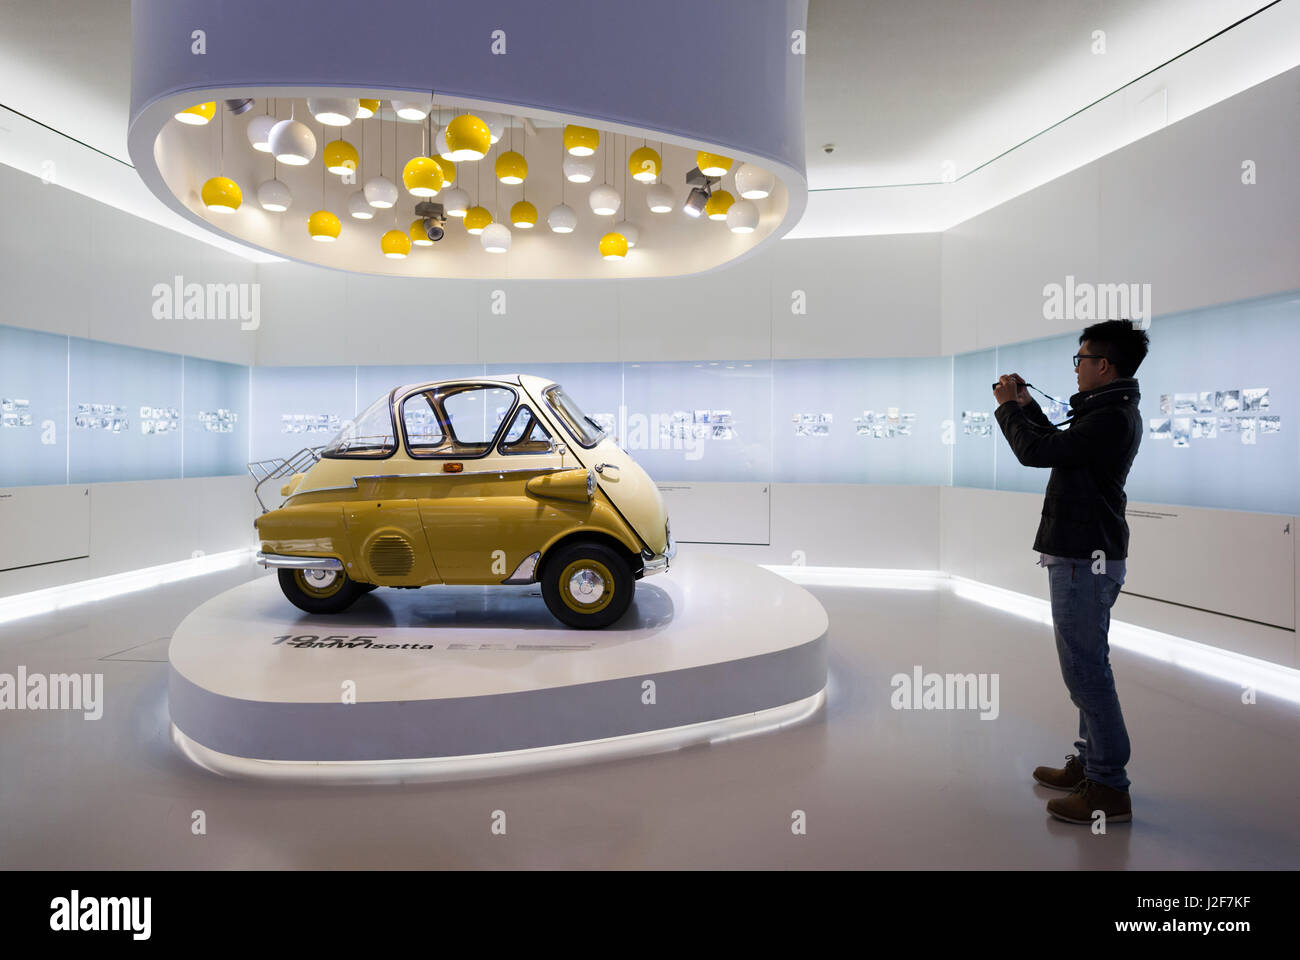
{"x": 454, "y": 682}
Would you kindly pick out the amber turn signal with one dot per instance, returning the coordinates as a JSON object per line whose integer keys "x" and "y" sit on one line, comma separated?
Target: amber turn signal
{"x": 453, "y": 467}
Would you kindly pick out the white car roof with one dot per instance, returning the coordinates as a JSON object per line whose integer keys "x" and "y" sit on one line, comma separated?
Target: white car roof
{"x": 530, "y": 382}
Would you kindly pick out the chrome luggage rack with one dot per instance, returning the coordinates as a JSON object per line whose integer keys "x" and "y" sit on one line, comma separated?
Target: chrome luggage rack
{"x": 277, "y": 468}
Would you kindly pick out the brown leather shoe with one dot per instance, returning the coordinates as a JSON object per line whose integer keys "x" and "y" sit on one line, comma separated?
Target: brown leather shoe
{"x": 1089, "y": 797}
{"x": 1061, "y": 779}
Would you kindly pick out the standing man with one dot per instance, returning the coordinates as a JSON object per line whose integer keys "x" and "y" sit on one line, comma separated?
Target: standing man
{"x": 1083, "y": 541}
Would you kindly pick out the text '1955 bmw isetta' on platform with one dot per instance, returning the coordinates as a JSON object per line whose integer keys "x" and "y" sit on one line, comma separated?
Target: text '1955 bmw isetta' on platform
{"x": 491, "y": 480}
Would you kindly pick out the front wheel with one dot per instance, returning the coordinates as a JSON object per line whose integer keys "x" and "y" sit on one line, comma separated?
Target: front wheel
{"x": 319, "y": 591}
{"x": 587, "y": 585}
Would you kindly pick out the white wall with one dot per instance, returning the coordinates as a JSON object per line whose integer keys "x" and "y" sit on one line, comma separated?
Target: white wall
{"x": 1169, "y": 210}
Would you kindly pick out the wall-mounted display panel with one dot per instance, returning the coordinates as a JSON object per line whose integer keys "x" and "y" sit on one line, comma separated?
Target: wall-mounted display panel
{"x": 33, "y": 407}
{"x": 216, "y": 418}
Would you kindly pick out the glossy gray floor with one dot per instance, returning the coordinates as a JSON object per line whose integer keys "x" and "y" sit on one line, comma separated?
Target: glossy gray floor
{"x": 1215, "y": 782}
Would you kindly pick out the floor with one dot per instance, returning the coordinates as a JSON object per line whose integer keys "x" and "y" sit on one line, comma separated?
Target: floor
{"x": 1215, "y": 783}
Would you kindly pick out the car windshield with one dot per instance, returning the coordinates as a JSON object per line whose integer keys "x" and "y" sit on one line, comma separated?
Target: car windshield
{"x": 584, "y": 429}
{"x": 369, "y": 435}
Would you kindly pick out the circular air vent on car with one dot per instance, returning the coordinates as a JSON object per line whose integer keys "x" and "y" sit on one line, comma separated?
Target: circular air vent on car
{"x": 391, "y": 556}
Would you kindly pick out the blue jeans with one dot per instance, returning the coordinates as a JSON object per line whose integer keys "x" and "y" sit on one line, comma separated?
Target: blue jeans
{"x": 1081, "y": 602}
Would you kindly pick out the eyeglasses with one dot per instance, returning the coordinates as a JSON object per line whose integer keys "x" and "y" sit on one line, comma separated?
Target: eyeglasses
{"x": 1088, "y": 356}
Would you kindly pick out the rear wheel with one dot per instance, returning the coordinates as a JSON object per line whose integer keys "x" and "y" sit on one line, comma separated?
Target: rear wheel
{"x": 587, "y": 585}
{"x": 319, "y": 591}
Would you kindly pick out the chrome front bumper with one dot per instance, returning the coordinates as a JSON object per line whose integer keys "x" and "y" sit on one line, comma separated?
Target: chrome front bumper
{"x": 653, "y": 563}
{"x": 298, "y": 563}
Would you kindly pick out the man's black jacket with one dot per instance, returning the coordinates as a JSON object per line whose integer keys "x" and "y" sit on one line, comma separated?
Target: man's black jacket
{"x": 1083, "y": 509}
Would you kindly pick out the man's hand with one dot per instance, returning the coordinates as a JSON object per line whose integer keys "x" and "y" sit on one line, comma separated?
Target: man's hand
{"x": 1011, "y": 386}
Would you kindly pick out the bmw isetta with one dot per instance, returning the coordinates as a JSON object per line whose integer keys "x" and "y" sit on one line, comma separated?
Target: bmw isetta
{"x": 489, "y": 480}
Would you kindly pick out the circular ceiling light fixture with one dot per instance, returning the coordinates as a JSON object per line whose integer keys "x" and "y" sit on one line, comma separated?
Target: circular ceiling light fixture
{"x": 420, "y": 236}
{"x": 604, "y": 200}
{"x": 333, "y": 111}
{"x": 292, "y": 142}
{"x": 259, "y": 132}
{"x": 422, "y": 177}
{"x": 468, "y": 138}
{"x": 579, "y": 169}
{"x": 511, "y": 167}
{"x": 613, "y": 246}
{"x": 644, "y": 165}
{"x": 367, "y": 108}
{"x": 199, "y": 114}
{"x": 562, "y": 218}
{"x": 412, "y": 109}
{"x": 324, "y": 226}
{"x": 523, "y": 215}
{"x": 359, "y": 208}
{"x": 340, "y": 157}
{"x": 754, "y": 183}
{"x": 275, "y": 196}
{"x": 659, "y": 198}
{"x": 742, "y": 216}
{"x": 395, "y": 244}
{"x": 580, "y": 141}
{"x": 718, "y": 204}
{"x": 712, "y": 164}
{"x": 381, "y": 193}
{"x": 496, "y": 238}
{"x": 476, "y": 219}
{"x": 222, "y": 195}
{"x": 455, "y": 202}
{"x": 631, "y": 233}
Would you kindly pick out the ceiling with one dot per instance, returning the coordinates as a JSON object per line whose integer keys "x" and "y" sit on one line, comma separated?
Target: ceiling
{"x": 907, "y": 90}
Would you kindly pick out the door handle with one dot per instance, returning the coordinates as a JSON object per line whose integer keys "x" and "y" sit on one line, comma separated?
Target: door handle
{"x": 602, "y": 467}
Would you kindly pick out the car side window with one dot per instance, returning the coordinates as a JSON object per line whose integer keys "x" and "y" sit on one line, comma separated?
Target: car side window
{"x": 526, "y": 435}
{"x": 455, "y": 421}
{"x": 424, "y": 434}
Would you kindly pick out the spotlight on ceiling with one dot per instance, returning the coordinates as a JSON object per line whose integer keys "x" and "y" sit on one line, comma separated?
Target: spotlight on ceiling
{"x": 435, "y": 219}
{"x": 695, "y": 201}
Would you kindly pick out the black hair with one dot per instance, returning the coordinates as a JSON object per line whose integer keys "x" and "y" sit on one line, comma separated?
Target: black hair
{"x": 1126, "y": 345}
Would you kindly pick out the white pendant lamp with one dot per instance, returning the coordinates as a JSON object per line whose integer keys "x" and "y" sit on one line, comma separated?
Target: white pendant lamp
{"x": 562, "y": 218}
{"x": 496, "y": 238}
{"x": 274, "y": 195}
{"x": 292, "y": 143}
{"x": 334, "y": 111}
{"x": 455, "y": 202}
{"x": 742, "y": 216}
{"x": 381, "y": 193}
{"x": 412, "y": 109}
{"x": 604, "y": 200}
{"x": 659, "y": 198}
{"x": 359, "y": 207}
{"x": 579, "y": 169}
{"x": 754, "y": 183}
{"x": 630, "y": 232}
{"x": 440, "y": 144}
{"x": 259, "y": 132}
{"x": 496, "y": 124}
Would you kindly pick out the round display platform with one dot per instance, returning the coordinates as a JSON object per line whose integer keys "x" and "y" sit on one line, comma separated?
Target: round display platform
{"x": 447, "y": 682}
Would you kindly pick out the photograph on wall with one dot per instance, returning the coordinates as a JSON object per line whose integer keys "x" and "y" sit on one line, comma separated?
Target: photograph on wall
{"x": 1159, "y": 428}
{"x": 1182, "y": 431}
{"x": 1229, "y": 401}
{"x": 1246, "y": 426}
{"x": 1255, "y": 399}
{"x": 1204, "y": 428}
{"x": 1271, "y": 424}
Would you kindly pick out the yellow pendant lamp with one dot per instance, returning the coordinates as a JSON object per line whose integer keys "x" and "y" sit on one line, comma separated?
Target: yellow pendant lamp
{"x": 419, "y": 236}
{"x": 468, "y": 138}
{"x": 422, "y": 177}
{"x": 580, "y": 141}
{"x": 324, "y": 226}
{"x": 395, "y": 244}
{"x": 340, "y": 157}
{"x": 367, "y": 108}
{"x": 199, "y": 114}
{"x": 644, "y": 164}
{"x": 523, "y": 215}
{"x": 712, "y": 164}
{"x": 511, "y": 167}
{"x": 222, "y": 195}
{"x": 717, "y": 206}
{"x": 476, "y": 218}
{"x": 613, "y": 246}
{"x": 448, "y": 170}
